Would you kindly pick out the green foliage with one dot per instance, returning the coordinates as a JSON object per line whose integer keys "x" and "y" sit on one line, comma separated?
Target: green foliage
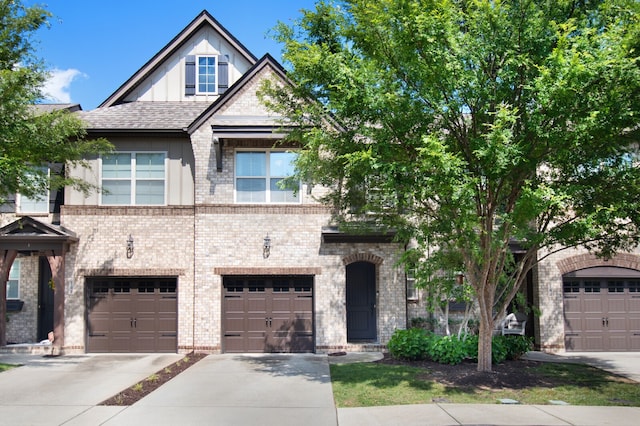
{"x": 416, "y": 344}
{"x": 518, "y": 346}
{"x": 466, "y": 125}
{"x": 447, "y": 349}
{"x": 409, "y": 344}
{"x": 30, "y": 138}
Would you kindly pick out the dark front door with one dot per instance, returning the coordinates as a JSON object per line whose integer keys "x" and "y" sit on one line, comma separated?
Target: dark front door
{"x": 45, "y": 300}
{"x": 361, "y": 302}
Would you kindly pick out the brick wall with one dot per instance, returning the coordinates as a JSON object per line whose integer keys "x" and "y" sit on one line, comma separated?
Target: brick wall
{"x": 23, "y": 325}
{"x": 548, "y": 291}
{"x": 163, "y": 246}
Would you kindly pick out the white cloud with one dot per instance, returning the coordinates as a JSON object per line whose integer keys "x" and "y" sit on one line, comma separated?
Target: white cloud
{"x": 56, "y": 88}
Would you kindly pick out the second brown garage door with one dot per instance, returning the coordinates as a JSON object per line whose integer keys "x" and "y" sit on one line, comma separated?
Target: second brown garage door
{"x": 268, "y": 314}
{"x": 132, "y": 314}
{"x": 602, "y": 310}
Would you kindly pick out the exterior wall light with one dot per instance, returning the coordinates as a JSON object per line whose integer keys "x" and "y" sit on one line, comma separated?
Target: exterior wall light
{"x": 266, "y": 247}
{"x": 129, "y": 247}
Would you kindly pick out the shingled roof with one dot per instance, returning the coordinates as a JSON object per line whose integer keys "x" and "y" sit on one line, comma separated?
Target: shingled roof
{"x": 144, "y": 116}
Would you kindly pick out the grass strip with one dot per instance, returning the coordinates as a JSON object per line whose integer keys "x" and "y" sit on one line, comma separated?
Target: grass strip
{"x": 374, "y": 384}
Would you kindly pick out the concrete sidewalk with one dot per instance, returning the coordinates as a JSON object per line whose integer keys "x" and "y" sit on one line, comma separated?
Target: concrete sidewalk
{"x": 488, "y": 414}
{"x": 269, "y": 389}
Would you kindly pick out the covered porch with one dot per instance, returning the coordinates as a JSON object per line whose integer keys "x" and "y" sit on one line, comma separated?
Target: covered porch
{"x": 29, "y": 237}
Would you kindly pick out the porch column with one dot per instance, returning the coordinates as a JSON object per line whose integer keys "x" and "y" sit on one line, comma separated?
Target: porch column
{"x": 57, "y": 275}
{"x": 6, "y": 260}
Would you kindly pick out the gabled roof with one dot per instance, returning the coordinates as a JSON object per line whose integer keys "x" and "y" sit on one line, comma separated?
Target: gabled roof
{"x": 29, "y": 235}
{"x": 44, "y": 108}
{"x": 203, "y": 19}
{"x": 267, "y": 61}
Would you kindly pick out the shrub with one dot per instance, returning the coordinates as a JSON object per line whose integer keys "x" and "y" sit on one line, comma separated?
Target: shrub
{"x": 499, "y": 349}
{"x": 416, "y": 344}
{"x": 409, "y": 344}
{"x": 518, "y": 346}
{"x": 448, "y": 349}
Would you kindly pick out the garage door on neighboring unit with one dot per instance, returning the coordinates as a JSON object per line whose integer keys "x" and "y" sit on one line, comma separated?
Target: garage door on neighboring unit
{"x": 268, "y": 314}
{"x": 132, "y": 314}
{"x": 602, "y": 310}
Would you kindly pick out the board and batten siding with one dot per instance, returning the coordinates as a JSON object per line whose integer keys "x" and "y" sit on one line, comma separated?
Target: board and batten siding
{"x": 167, "y": 83}
{"x": 179, "y": 178}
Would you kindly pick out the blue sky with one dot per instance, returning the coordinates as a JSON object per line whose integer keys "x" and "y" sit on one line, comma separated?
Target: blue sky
{"x": 92, "y": 47}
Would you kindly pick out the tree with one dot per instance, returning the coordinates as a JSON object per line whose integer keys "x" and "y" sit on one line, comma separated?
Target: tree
{"x": 470, "y": 126}
{"x": 30, "y": 138}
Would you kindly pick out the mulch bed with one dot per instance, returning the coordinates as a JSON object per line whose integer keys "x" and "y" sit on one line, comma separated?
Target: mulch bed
{"x": 517, "y": 374}
{"x": 153, "y": 382}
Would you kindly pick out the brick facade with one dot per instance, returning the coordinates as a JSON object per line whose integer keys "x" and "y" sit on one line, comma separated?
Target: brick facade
{"x": 548, "y": 295}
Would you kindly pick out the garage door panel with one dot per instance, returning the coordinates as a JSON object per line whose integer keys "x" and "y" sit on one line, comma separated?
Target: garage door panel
{"x": 591, "y": 306}
{"x": 167, "y": 305}
{"x": 234, "y": 325}
{"x": 272, "y": 316}
{"x": 572, "y": 303}
{"x": 99, "y": 304}
{"x": 255, "y": 343}
{"x": 593, "y": 342}
{"x": 145, "y": 325}
{"x": 634, "y": 342}
{"x": 301, "y": 324}
{"x": 281, "y": 304}
{"x": 573, "y": 324}
{"x": 618, "y": 342}
{"x": 634, "y": 304}
{"x": 600, "y": 312}
{"x": 132, "y": 315}
{"x": 256, "y": 304}
{"x": 616, "y": 305}
{"x": 234, "y": 343}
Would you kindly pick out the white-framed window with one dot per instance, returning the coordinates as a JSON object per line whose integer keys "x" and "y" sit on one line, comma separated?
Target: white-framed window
{"x": 206, "y": 75}
{"x": 412, "y": 292}
{"x": 39, "y": 203}
{"x": 259, "y": 176}
{"x": 13, "y": 285}
{"x": 134, "y": 178}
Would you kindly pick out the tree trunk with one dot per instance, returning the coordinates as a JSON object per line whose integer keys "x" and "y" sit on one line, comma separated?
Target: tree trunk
{"x": 485, "y": 335}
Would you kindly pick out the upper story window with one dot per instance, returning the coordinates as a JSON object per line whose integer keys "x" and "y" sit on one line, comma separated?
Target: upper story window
{"x": 206, "y": 74}
{"x": 260, "y": 177}
{"x": 133, "y": 178}
{"x": 38, "y": 203}
{"x": 206, "y": 69}
{"x": 13, "y": 285}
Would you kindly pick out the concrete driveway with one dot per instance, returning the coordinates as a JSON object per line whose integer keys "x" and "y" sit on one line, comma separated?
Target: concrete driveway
{"x": 57, "y": 390}
{"x": 626, "y": 364}
{"x": 220, "y": 389}
{"x": 266, "y": 389}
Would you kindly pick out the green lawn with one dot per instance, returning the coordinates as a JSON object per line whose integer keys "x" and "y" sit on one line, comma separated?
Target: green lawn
{"x": 371, "y": 384}
{"x": 4, "y": 367}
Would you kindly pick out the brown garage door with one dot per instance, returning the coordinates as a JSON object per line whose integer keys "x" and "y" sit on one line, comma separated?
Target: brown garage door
{"x": 268, "y": 314}
{"x": 602, "y": 314}
{"x": 132, "y": 315}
